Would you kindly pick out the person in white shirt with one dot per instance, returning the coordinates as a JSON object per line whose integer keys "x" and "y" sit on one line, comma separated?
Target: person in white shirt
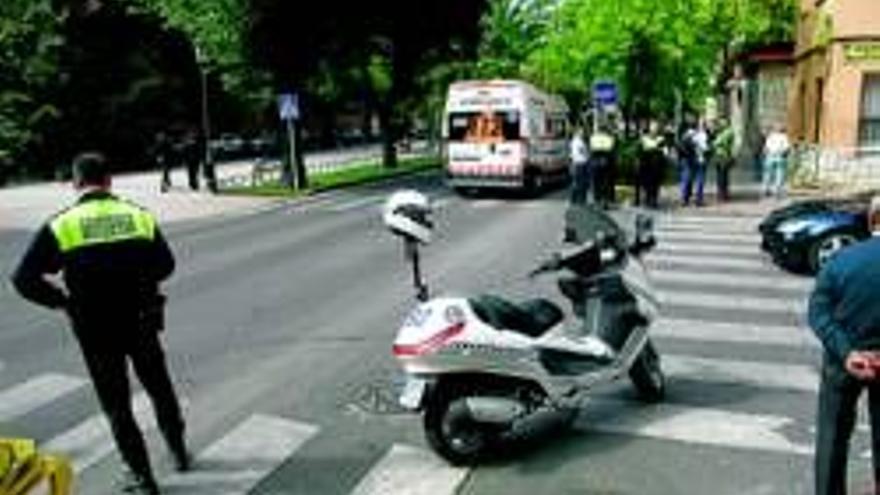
{"x": 695, "y": 146}
{"x": 775, "y": 162}
{"x": 580, "y": 173}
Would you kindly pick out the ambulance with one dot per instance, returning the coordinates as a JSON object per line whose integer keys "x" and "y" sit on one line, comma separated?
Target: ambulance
{"x": 504, "y": 134}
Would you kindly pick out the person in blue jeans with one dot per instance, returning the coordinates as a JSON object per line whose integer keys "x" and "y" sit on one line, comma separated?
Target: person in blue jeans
{"x": 694, "y": 147}
{"x": 844, "y": 313}
{"x": 775, "y": 163}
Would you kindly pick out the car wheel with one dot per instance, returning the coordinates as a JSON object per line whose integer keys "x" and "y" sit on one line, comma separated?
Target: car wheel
{"x": 826, "y": 246}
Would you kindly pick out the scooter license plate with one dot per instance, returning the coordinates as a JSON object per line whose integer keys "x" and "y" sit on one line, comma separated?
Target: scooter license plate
{"x": 413, "y": 392}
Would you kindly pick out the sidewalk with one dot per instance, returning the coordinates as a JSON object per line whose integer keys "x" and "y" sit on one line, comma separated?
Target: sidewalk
{"x": 27, "y": 207}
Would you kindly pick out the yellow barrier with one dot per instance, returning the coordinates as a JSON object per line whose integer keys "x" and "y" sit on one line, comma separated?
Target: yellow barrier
{"x": 24, "y": 471}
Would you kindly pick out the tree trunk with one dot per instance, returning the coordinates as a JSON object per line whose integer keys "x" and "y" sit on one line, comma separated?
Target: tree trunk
{"x": 302, "y": 176}
{"x": 389, "y": 135}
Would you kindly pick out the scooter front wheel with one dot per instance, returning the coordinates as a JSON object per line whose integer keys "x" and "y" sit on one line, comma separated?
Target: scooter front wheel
{"x": 647, "y": 375}
{"x": 451, "y": 430}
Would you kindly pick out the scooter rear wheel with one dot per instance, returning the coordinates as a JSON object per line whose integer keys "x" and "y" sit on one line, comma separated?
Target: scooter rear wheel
{"x": 451, "y": 430}
{"x": 647, "y": 375}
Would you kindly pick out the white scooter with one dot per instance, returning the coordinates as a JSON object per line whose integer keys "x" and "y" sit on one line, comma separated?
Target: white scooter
{"x": 480, "y": 368}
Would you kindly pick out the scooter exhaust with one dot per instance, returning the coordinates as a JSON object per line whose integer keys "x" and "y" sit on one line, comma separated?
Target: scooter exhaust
{"x": 495, "y": 410}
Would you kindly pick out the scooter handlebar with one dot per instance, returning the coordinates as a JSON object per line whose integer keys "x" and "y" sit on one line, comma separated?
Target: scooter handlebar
{"x": 551, "y": 265}
{"x": 576, "y": 260}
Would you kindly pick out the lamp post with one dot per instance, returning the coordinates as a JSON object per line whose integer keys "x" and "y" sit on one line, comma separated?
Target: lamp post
{"x": 208, "y": 158}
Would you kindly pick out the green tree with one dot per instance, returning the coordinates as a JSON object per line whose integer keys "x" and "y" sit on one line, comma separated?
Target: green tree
{"x": 653, "y": 50}
{"x": 218, "y": 32}
{"x": 29, "y": 49}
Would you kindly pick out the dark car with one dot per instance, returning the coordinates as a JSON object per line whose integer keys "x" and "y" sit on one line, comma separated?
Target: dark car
{"x": 803, "y": 236}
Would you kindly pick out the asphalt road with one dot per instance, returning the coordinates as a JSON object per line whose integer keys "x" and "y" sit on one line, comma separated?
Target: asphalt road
{"x": 279, "y": 334}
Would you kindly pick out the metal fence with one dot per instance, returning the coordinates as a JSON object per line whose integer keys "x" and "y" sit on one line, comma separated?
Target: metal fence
{"x": 263, "y": 171}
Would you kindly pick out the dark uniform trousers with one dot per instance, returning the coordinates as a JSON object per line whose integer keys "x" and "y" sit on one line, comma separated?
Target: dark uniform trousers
{"x": 838, "y": 397}
{"x": 107, "y": 361}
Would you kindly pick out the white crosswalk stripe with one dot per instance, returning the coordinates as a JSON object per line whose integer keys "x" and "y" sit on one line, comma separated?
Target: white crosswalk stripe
{"x": 91, "y": 440}
{"x": 712, "y": 237}
{"x": 757, "y": 374}
{"x": 235, "y": 463}
{"x": 35, "y": 393}
{"x": 735, "y": 333}
{"x": 712, "y": 249}
{"x": 747, "y": 222}
{"x": 702, "y": 262}
{"x": 693, "y": 425}
{"x": 408, "y": 470}
{"x": 714, "y": 301}
{"x": 731, "y": 280}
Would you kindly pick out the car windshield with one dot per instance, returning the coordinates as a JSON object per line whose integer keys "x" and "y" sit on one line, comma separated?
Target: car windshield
{"x": 486, "y": 126}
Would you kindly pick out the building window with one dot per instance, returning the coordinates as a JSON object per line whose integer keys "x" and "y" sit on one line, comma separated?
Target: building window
{"x": 869, "y": 119}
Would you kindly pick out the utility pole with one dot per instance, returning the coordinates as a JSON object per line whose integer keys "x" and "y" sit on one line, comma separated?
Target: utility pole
{"x": 208, "y": 171}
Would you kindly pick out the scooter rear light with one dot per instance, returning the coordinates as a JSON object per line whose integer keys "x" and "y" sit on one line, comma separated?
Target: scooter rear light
{"x": 430, "y": 344}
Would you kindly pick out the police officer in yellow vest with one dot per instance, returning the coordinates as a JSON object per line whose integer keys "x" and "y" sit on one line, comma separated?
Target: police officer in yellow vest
{"x": 113, "y": 258}
{"x": 652, "y": 167}
{"x": 603, "y": 165}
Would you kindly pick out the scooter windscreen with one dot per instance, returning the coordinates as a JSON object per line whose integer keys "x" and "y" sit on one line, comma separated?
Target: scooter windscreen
{"x": 590, "y": 223}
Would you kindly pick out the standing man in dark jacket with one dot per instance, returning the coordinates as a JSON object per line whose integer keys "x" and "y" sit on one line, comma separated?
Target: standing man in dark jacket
{"x": 112, "y": 257}
{"x": 844, "y": 313}
{"x": 603, "y": 165}
{"x": 652, "y": 167}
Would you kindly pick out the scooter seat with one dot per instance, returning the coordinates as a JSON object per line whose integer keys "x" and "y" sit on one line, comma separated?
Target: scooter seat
{"x": 532, "y": 318}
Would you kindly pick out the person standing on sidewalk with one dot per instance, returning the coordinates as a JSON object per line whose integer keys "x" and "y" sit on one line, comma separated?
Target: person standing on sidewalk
{"x": 775, "y": 163}
{"x": 192, "y": 158}
{"x": 844, "y": 312}
{"x": 113, "y": 257}
{"x": 602, "y": 166}
{"x": 723, "y": 156}
{"x": 162, "y": 153}
{"x": 693, "y": 150}
{"x": 581, "y": 182}
{"x": 652, "y": 167}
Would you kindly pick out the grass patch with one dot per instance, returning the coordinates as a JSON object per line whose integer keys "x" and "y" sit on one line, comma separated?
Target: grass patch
{"x": 353, "y": 175}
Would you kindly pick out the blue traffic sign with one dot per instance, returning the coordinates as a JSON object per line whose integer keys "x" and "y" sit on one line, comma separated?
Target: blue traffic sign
{"x": 288, "y": 106}
{"x": 605, "y": 93}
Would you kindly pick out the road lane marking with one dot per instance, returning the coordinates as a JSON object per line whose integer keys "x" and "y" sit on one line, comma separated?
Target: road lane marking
{"x": 91, "y": 440}
{"x": 406, "y": 470}
{"x": 731, "y": 280}
{"x": 734, "y": 333}
{"x": 693, "y": 425}
{"x": 793, "y": 377}
{"x": 750, "y": 220}
{"x": 713, "y": 249}
{"x": 703, "y": 300}
{"x": 36, "y": 393}
{"x": 707, "y": 237}
{"x": 237, "y": 462}
{"x": 702, "y": 263}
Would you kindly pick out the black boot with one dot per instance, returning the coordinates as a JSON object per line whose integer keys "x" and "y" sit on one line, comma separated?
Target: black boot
{"x": 140, "y": 484}
{"x": 177, "y": 445}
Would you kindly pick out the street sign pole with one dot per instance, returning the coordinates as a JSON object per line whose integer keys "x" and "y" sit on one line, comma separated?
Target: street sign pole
{"x": 291, "y": 140}
{"x": 288, "y": 111}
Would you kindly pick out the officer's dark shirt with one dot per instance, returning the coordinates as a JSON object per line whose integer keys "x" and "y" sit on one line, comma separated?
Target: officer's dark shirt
{"x": 112, "y": 278}
{"x": 844, "y": 308}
